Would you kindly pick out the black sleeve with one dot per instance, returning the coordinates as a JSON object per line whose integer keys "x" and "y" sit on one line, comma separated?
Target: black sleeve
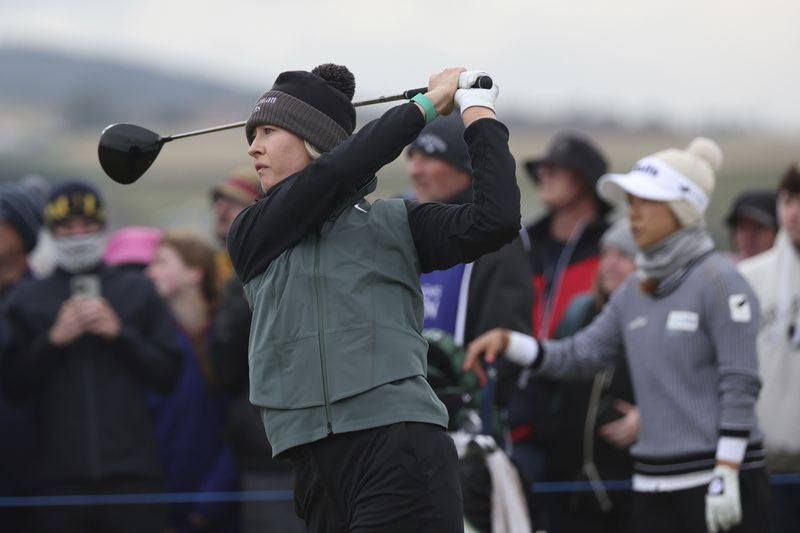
{"x": 229, "y": 342}
{"x": 446, "y": 235}
{"x": 500, "y": 293}
{"x": 299, "y": 205}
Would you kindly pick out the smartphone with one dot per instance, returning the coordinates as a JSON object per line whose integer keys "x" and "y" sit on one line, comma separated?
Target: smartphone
{"x": 87, "y": 286}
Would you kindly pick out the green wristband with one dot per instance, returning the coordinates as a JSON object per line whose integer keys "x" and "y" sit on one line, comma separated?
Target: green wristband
{"x": 427, "y": 106}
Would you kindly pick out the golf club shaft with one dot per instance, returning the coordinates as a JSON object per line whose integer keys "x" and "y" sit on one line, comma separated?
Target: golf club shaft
{"x": 204, "y": 131}
{"x": 483, "y": 82}
{"x": 404, "y": 96}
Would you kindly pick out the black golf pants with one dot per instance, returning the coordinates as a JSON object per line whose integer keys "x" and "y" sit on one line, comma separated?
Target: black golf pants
{"x": 397, "y": 478}
{"x": 685, "y": 510}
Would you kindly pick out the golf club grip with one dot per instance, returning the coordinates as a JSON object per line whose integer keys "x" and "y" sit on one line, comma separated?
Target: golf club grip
{"x": 483, "y": 82}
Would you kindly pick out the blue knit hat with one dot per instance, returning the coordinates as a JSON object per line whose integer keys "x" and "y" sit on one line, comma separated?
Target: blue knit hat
{"x": 74, "y": 199}
{"x": 21, "y": 208}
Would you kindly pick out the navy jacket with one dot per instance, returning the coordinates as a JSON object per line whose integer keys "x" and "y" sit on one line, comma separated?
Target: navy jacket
{"x": 90, "y": 396}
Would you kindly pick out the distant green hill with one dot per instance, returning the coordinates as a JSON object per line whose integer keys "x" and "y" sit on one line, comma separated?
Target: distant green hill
{"x": 91, "y": 93}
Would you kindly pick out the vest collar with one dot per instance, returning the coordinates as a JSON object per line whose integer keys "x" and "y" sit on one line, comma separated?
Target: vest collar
{"x": 368, "y": 188}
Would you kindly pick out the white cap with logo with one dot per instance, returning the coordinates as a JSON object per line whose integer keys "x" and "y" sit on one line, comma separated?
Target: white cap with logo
{"x": 683, "y": 178}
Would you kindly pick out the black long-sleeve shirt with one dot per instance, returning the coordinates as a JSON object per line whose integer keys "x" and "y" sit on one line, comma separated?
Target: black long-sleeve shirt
{"x": 444, "y": 235}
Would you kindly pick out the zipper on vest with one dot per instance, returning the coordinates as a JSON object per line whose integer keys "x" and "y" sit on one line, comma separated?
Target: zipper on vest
{"x": 321, "y": 334}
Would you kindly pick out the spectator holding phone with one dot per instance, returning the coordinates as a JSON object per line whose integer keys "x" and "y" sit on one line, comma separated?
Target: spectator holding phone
{"x": 85, "y": 344}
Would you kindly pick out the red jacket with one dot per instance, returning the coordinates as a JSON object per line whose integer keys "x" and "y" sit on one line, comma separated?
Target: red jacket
{"x": 561, "y": 271}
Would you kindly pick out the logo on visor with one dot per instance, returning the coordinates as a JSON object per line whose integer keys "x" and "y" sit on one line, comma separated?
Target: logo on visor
{"x": 646, "y": 169}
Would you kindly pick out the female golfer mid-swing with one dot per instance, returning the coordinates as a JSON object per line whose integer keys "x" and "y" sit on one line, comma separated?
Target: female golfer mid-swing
{"x": 337, "y": 362}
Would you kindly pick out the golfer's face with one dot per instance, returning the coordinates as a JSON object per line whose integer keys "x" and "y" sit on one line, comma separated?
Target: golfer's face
{"x": 651, "y": 221}
{"x": 278, "y": 154}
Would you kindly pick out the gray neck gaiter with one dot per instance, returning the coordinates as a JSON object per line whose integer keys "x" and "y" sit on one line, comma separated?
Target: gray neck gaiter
{"x": 671, "y": 254}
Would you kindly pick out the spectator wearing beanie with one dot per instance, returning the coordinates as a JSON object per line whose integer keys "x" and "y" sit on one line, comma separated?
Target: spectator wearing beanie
{"x": 498, "y": 292}
{"x": 753, "y": 223}
{"x": 86, "y": 344}
{"x": 467, "y": 299}
{"x": 240, "y": 189}
{"x": 337, "y": 359}
{"x": 228, "y": 348}
{"x": 687, "y": 323}
{"x": 132, "y": 247}
{"x": 775, "y": 278}
{"x": 20, "y": 220}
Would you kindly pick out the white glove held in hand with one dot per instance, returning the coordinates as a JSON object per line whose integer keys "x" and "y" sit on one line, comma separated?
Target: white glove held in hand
{"x": 467, "y": 97}
{"x": 723, "y": 507}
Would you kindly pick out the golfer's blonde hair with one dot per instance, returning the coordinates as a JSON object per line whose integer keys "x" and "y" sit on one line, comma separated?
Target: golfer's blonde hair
{"x": 313, "y": 153}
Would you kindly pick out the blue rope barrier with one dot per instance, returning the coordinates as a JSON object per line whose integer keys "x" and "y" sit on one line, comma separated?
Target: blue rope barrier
{"x": 147, "y": 498}
{"x": 784, "y": 479}
{"x": 549, "y": 487}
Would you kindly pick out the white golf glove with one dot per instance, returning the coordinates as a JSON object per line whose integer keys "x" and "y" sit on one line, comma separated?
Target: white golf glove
{"x": 723, "y": 507}
{"x": 467, "y": 97}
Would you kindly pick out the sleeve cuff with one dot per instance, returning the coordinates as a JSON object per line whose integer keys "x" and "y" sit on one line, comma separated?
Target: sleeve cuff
{"x": 522, "y": 349}
{"x": 731, "y": 449}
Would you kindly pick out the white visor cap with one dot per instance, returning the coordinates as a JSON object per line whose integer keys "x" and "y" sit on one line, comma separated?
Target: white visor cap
{"x": 652, "y": 179}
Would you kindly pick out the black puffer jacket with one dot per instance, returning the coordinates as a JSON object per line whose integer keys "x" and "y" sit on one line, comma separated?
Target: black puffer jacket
{"x": 89, "y": 397}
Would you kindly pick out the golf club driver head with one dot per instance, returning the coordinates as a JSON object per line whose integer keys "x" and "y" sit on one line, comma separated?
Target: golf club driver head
{"x": 126, "y": 151}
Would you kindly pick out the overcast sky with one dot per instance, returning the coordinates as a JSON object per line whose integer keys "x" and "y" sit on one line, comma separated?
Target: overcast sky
{"x": 684, "y": 61}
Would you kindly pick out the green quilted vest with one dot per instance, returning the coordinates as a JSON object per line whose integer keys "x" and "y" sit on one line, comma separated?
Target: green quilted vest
{"x": 337, "y": 318}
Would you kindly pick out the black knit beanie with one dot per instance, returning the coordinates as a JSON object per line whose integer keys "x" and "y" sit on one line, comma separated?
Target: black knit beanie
{"x": 74, "y": 199}
{"x": 316, "y": 106}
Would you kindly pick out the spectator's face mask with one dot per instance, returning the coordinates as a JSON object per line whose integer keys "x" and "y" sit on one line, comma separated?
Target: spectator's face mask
{"x": 78, "y": 246}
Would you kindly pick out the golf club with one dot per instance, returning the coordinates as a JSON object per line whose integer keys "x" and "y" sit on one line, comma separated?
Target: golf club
{"x": 126, "y": 151}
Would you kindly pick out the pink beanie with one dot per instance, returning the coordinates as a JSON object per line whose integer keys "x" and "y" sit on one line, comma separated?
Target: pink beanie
{"x": 132, "y": 245}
